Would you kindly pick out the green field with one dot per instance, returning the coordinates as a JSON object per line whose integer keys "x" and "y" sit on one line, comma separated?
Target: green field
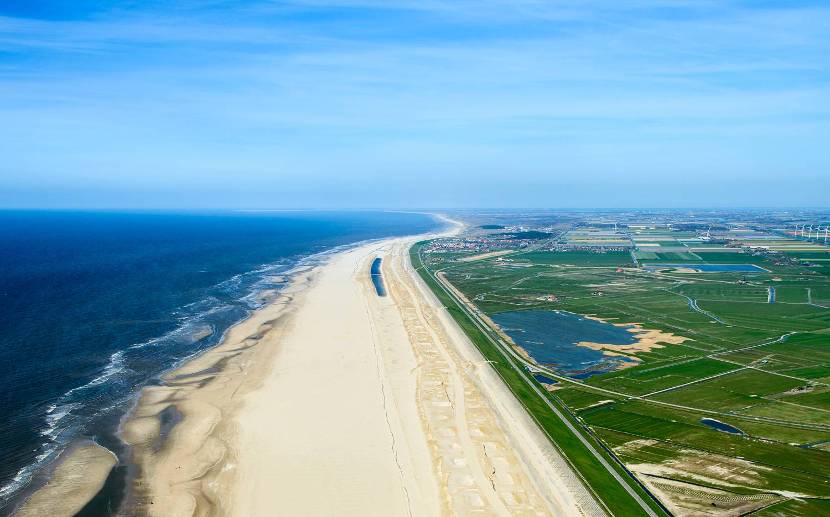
{"x": 761, "y": 367}
{"x": 606, "y": 490}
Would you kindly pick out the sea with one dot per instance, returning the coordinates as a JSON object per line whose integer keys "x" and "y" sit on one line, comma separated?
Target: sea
{"x": 96, "y": 305}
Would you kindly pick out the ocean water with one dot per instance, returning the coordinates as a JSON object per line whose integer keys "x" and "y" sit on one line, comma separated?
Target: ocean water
{"x": 95, "y": 305}
{"x": 551, "y": 338}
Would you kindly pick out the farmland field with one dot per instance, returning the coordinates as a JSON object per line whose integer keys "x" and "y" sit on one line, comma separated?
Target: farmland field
{"x": 712, "y": 345}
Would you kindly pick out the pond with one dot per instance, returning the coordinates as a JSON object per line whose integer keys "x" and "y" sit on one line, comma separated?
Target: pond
{"x": 544, "y": 379}
{"x": 551, "y": 337}
{"x": 377, "y": 277}
{"x": 720, "y": 426}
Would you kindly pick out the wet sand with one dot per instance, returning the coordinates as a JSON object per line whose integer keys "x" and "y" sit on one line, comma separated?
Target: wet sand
{"x": 78, "y": 476}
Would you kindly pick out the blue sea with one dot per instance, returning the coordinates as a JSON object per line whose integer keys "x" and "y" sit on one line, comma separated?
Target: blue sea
{"x": 93, "y": 306}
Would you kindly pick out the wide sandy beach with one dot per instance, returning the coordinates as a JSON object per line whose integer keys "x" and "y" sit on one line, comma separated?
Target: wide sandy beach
{"x": 333, "y": 400}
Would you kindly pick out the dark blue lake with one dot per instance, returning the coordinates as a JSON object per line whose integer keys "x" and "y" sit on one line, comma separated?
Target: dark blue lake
{"x": 551, "y": 338}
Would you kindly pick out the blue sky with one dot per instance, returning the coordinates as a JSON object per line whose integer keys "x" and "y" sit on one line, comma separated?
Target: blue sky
{"x": 404, "y": 103}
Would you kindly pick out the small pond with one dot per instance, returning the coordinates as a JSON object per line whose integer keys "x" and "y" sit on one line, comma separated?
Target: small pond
{"x": 544, "y": 379}
{"x": 377, "y": 277}
{"x": 720, "y": 426}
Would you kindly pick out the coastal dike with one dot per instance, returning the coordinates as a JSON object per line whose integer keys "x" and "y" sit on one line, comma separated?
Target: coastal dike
{"x": 334, "y": 400}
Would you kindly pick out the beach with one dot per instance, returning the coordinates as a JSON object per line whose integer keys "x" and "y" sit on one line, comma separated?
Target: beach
{"x": 333, "y": 400}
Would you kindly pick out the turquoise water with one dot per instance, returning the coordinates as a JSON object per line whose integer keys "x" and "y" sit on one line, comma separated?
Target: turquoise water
{"x": 551, "y": 338}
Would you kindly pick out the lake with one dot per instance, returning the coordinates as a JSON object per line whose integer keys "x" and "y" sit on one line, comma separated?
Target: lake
{"x": 720, "y": 426}
{"x": 551, "y": 337}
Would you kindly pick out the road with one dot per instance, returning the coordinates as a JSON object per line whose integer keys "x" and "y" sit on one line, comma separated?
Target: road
{"x": 624, "y": 396}
{"x": 507, "y": 352}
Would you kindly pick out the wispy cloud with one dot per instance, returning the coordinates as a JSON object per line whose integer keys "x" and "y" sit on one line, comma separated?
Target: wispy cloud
{"x": 303, "y": 91}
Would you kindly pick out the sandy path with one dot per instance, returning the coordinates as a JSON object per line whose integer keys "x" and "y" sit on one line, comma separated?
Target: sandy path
{"x": 508, "y": 466}
{"x": 563, "y": 490}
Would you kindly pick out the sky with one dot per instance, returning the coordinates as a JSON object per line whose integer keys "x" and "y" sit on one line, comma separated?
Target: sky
{"x": 414, "y": 103}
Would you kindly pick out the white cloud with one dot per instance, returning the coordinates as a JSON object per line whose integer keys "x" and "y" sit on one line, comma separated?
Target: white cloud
{"x": 295, "y": 92}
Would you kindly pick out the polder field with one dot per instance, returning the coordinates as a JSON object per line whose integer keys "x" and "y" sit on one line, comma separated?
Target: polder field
{"x": 730, "y": 412}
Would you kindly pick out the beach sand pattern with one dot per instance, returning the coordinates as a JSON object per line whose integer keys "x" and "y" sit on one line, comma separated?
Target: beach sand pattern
{"x": 491, "y": 458}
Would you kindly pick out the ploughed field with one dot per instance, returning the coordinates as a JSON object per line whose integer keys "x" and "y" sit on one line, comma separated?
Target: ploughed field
{"x": 759, "y": 367}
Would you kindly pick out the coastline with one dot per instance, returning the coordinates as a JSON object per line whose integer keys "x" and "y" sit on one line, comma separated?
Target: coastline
{"x": 392, "y": 411}
{"x": 58, "y": 475}
{"x": 199, "y": 467}
{"x": 176, "y": 403}
{"x": 201, "y": 398}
